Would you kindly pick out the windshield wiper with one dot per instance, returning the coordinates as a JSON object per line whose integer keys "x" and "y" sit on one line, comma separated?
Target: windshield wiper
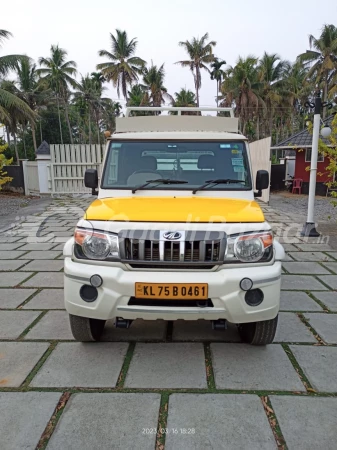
{"x": 159, "y": 181}
{"x": 218, "y": 181}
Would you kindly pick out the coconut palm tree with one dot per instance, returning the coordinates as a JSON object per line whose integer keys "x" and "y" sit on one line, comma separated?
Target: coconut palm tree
{"x": 184, "y": 99}
{"x": 217, "y": 74}
{"x": 153, "y": 78}
{"x": 58, "y": 75}
{"x": 9, "y": 101}
{"x": 123, "y": 68}
{"x": 200, "y": 53}
{"x": 323, "y": 58}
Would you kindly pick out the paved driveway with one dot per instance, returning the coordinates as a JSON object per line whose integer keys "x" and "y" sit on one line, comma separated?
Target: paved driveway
{"x": 162, "y": 385}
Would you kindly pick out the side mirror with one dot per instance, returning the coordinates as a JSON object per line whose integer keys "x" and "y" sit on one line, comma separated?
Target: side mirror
{"x": 262, "y": 182}
{"x": 91, "y": 180}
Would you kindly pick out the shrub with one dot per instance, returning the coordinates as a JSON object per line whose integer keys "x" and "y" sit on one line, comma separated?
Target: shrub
{"x": 4, "y": 162}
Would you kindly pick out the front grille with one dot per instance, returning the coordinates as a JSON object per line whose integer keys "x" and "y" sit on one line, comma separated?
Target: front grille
{"x": 198, "y": 248}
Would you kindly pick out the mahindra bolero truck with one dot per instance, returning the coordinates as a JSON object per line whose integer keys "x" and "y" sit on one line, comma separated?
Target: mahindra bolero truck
{"x": 175, "y": 232}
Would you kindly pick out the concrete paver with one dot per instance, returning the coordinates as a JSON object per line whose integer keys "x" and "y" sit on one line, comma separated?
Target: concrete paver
{"x": 45, "y": 279}
{"x": 321, "y": 247}
{"x": 176, "y": 366}
{"x": 297, "y": 301}
{"x": 11, "y": 279}
{"x": 48, "y": 254}
{"x": 12, "y": 298}
{"x": 24, "y": 416}
{"x": 290, "y": 328}
{"x": 330, "y": 280}
{"x": 319, "y": 365}
{"x": 307, "y": 422}
{"x": 328, "y": 298}
{"x": 219, "y": 421}
{"x": 54, "y": 325}
{"x": 13, "y": 254}
{"x": 308, "y": 268}
{"x": 331, "y": 266}
{"x": 43, "y": 265}
{"x": 82, "y": 365}
{"x": 301, "y": 283}
{"x": 325, "y": 325}
{"x": 11, "y": 264}
{"x": 9, "y": 246}
{"x": 47, "y": 299}
{"x": 37, "y": 247}
{"x": 17, "y": 361}
{"x": 310, "y": 256}
{"x": 121, "y": 421}
{"x": 269, "y": 368}
{"x": 13, "y": 323}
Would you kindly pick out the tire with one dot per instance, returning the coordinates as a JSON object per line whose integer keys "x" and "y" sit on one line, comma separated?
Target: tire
{"x": 258, "y": 333}
{"x": 85, "y": 329}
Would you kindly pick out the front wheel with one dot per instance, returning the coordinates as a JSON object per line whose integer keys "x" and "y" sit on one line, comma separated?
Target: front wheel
{"x": 85, "y": 329}
{"x": 258, "y": 333}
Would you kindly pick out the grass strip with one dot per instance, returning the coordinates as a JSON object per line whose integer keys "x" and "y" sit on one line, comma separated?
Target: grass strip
{"x": 38, "y": 365}
{"x": 23, "y": 334}
{"x": 209, "y": 367}
{"x": 298, "y": 368}
{"x": 273, "y": 422}
{"x": 162, "y": 421}
{"x": 126, "y": 365}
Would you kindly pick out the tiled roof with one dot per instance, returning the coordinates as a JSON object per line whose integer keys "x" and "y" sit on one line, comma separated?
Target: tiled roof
{"x": 43, "y": 149}
{"x": 303, "y": 138}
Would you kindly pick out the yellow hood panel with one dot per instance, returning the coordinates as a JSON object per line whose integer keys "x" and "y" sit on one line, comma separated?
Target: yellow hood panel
{"x": 171, "y": 209}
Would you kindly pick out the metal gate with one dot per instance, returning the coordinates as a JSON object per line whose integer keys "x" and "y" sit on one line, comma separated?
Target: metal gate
{"x": 68, "y": 164}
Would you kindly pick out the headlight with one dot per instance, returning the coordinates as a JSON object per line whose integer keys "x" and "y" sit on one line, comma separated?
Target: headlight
{"x": 250, "y": 247}
{"x": 96, "y": 244}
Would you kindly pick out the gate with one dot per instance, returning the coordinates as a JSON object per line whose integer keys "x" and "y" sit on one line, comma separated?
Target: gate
{"x": 68, "y": 164}
{"x": 31, "y": 177}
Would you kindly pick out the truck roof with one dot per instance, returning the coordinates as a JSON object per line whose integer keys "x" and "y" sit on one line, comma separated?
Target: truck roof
{"x": 179, "y": 135}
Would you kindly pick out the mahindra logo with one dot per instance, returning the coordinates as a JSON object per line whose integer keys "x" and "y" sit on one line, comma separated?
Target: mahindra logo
{"x": 172, "y": 235}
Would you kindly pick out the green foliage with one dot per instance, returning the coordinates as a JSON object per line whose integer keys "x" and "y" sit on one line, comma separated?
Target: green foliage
{"x": 4, "y": 162}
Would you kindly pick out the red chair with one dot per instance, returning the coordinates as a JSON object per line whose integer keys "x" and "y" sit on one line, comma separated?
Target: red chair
{"x": 297, "y": 184}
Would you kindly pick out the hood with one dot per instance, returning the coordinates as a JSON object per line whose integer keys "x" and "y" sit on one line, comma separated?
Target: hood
{"x": 175, "y": 209}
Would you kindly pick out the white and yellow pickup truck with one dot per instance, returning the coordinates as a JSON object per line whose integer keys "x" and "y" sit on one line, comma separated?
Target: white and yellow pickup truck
{"x": 175, "y": 232}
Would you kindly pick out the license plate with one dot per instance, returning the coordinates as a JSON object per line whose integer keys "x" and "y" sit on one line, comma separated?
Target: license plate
{"x": 179, "y": 291}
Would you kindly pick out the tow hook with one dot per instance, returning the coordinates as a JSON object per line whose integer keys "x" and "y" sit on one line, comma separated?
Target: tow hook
{"x": 122, "y": 323}
{"x": 220, "y": 324}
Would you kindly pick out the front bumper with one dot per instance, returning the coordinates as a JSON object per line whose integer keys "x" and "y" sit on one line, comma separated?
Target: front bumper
{"x": 224, "y": 291}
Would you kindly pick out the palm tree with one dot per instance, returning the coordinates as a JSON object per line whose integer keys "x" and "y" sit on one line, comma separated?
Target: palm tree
{"x": 58, "y": 74}
{"x": 123, "y": 67}
{"x": 323, "y": 58}
{"x": 9, "y": 101}
{"x": 185, "y": 99}
{"x": 217, "y": 74}
{"x": 240, "y": 90}
{"x": 153, "y": 78}
{"x": 200, "y": 53}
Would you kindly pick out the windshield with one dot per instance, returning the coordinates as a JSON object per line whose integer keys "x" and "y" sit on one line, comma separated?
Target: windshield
{"x": 130, "y": 164}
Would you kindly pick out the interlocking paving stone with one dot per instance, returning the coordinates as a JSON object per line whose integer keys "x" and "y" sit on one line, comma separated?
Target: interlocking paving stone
{"x": 10, "y": 264}
{"x": 332, "y": 266}
{"x": 220, "y": 421}
{"x": 291, "y": 329}
{"x": 119, "y": 421}
{"x": 301, "y": 283}
{"x": 45, "y": 279}
{"x": 328, "y": 298}
{"x": 319, "y": 365}
{"x": 330, "y": 280}
{"x": 53, "y": 229}
{"x": 37, "y": 247}
{"x": 313, "y": 247}
{"x": 59, "y": 247}
{"x": 201, "y": 330}
{"x": 333, "y": 254}
{"x": 169, "y": 365}
{"x": 54, "y": 325}
{"x": 298, "y": 301}
{"x": 41, "y": 265}
{"x": 140, "y": 330}
{"x": 310, "y": 256}
{"x": 46, "y": 299}
{"x": 11, "y": 298}
{"x": 325, "y": 325}
{"x": 309, "y": 268}
{"x": 13, "y": 323}
{"x": 307, "y": 422}
{"x": 10, "y": 246}
{"x": 11, "y": 279}
{"x": 17, "y": 361}
{"x": 13, "y": 254}
{"x": 24, "y": 416}
{"x": 49, "y": 254}
{"x": 8, "y": 239}
{"x": 241, "y": 366}
{"x": 75, "y": 364}
{"x": 289, "y": 247}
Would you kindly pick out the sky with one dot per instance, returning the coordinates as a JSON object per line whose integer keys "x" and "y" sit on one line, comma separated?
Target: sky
{"x": 242, "y": 27}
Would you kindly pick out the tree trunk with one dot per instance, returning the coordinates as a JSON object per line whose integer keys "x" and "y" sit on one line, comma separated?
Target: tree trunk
{"x": 24, "y": 139}
{"x": 34, "y": 137}
{"x": 41, "y": 132}
{"x": 68, "y": 121}
{"x": 8, "y": 137}
{"x": 16, "y": 148}
{"x": 257, "y": 127}
{"x": 197, "y": 85}
{"x": 325, "y": 93}
{"x": 58, "y": 109}
{"x": 89, "y": 127}
{"x": 217, "y": 94}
